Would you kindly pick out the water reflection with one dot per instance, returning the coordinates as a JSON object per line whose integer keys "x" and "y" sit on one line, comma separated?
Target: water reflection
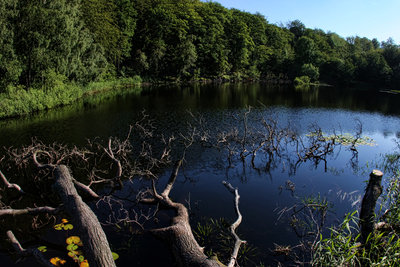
{"x": 259, "y": 182}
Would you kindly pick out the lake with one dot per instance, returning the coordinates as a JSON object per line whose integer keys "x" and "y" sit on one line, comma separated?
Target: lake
{"x": 265, "y": 192}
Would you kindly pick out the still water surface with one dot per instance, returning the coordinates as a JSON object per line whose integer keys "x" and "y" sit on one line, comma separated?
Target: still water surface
{"x": 261, "y": 200}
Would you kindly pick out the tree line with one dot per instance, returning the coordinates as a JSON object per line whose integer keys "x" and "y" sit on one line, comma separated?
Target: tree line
{"x": 81, "y": 41}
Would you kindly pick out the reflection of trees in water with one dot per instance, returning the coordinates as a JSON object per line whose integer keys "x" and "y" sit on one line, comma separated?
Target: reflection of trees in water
{"x": 256, "y": 139}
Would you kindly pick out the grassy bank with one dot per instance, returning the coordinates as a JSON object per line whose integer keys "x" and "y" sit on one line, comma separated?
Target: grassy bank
{"x": 17, "y": 100}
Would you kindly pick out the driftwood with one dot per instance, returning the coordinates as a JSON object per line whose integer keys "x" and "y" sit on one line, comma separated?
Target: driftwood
{"x": 95, "y": 244}
{"x": 232, "y": 228}
{"x": 367, "y": 213}
{"x": 28, "y": 252}
{"x": 31, "y": 211}
{"x": 179, "y": 236}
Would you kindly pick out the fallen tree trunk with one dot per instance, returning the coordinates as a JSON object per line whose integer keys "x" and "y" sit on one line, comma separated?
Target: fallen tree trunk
{"x": 179, "y": 236}
{"x": 95, "y": 244}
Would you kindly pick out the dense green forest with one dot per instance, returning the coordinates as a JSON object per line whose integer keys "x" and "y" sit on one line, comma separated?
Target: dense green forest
{"x": 61, "y": 45}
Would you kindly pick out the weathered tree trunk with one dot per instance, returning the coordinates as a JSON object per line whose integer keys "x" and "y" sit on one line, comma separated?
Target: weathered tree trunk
{"x": 367, "y": 213}
{"x": 179, "y": 236}
{"x": 28, "y": 252}
{"x": 95, "y": 245}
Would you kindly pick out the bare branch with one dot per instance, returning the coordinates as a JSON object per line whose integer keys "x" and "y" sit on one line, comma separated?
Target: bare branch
{"x": 32, "y": 211}
{"x": 28, "y": 252}
{"x": 85, "y": 189}
{"x": 172, "y": 179}
{"x": 10, "y": 185}
{"x": 232, "y": 228}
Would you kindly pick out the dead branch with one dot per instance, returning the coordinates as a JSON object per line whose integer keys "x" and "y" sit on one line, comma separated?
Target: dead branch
{"x": 28, "y": 252}
{"x": 10, "y": 185}
{"x": 31, "y": 211}
{"x": 85, "y": 189}
{"x": 232, "y": 228}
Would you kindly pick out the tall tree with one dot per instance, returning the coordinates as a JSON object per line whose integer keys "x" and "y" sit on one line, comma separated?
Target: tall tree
{"x": 377, "y": 69}
{"x": 211, "y": 41}
{"x": 241, "y": 44}
{"x": 100, "y": 17}
{"x": 305, "y": 50}
{"x": 50, "y": 35}
{"x": 280, "y": 39}
{"x": 10, "y": 67}
{"x": 391, "y": 53}
{"x": 296, "y": 27}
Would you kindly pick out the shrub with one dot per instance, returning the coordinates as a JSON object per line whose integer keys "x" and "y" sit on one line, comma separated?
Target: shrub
{"x": 303, "y": 80}
{"x": 311, "y": 71}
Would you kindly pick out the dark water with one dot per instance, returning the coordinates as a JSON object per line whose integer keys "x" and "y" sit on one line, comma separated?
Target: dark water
{"x": 261, "y": 201}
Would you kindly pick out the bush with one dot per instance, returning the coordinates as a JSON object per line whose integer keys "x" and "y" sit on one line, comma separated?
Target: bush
{"x": 303, "y": 80}
{"x": 311, "y": 71}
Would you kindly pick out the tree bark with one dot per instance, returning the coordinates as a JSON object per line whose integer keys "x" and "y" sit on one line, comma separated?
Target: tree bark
{"x": 95, "y": 245}
{"x": 179, "y": 236}
{"x": 28, "y": 252}
{"x": 367, "y": 213}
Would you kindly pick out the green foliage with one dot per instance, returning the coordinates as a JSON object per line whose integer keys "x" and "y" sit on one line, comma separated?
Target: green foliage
{"x": 303, "y": 80}
{"x": 306, "y": 50}
{"x": 341, "y": 247}
{"x": 70, "y": 43}
{"x": 100, "y": 16}
{"x": 51, "y": 35}
{"x": 296, "y": 27}
{"x": 10, "y": 67}
{"x": 311, "y": 71}
{"x": 347, "y": 139}
{"x": 16, "y": 100}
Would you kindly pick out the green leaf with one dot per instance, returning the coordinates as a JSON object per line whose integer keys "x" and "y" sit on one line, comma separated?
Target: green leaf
{"x": 58, "y": 226}
{"x": 68, "y": 226}
{"x": 42, "y": 249}
{"x": 81, "y": 258}
{"x": 72, "y": 247}
{"x": 115, "y": 255}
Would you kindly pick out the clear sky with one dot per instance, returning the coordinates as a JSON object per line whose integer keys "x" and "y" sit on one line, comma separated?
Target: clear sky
{"x": 372, "y": 19}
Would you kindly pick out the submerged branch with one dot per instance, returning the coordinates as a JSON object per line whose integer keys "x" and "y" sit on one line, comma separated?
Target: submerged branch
{"x": 232, "y": 228}
{"x": 28, "y": 252}
{"x": 31, "y": 211}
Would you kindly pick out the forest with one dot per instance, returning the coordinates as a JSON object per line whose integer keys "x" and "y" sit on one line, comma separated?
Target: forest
{"x": 75, "y": 42}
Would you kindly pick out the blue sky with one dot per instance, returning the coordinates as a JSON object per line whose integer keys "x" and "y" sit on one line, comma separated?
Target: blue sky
{"x": 372, "y": 19}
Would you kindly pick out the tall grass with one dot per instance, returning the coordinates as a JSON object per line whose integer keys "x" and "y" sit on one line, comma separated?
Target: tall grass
{"x": 382, "y": 247}
{"x": 18, "y": 100}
